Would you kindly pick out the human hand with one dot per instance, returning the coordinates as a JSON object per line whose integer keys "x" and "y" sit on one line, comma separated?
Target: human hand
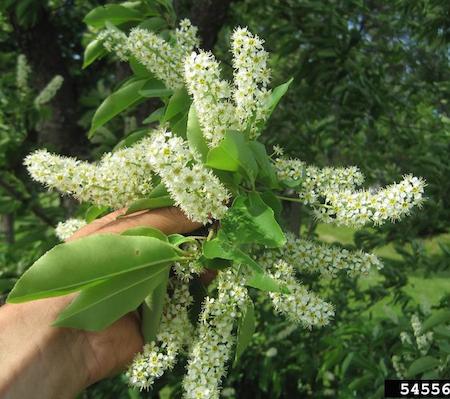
{"x": 41, "y": 361}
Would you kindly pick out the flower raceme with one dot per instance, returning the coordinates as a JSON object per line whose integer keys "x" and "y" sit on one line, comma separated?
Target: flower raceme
{"x": 168, "y": 160}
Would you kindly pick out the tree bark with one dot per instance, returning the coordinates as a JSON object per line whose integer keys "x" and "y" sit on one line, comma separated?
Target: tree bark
{"x": 39, "y": 43}
{"x": 209, "y": 16}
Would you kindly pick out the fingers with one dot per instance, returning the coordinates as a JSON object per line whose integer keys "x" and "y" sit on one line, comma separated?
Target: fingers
{"x": 168, "y": 220}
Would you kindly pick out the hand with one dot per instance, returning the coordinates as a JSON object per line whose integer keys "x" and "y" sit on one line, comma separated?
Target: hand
{"x": 40, "y": 361}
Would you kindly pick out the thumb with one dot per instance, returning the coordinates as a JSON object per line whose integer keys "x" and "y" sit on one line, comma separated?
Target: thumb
{"x": 168, "y": 220}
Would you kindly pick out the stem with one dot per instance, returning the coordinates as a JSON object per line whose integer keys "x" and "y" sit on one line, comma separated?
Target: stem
{"x": 281, "y": 197}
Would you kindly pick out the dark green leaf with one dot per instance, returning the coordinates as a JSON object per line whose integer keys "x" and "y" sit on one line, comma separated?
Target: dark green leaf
{"x": 152, "y": 309}
{"x": 421, "y": 365}
{"x": 95, "y": 308}
{"x": 246, "y": 329}
{"x": 266, "y": 171}
{"x": 438, "y": 317}
{"x": 88, "y": 261}
{"x": 154, "y": 88}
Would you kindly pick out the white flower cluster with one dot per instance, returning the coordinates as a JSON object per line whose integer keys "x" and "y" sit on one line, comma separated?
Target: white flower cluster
{"x": 117, "y": 180}
{"x": 22, "y": 73}
{"x": 300, "y": 305}
{"x": 399, "y": 366}
{"x": 423, "y": 341}
{"x": 309, "y": 256}
{"x": 213, "y": 96}
{"x": 251, "y": 77}
{"x": 165, "y": 60}
{"x": 174, "y": 333}
{"x": 214, "y": 341}
{"x": 66, "y": 229}
{"x": 187, "y": 270}
{"x": 316, "y": 182}
{"x": 114, "y": 40}
{"x": 49, "y": 91}
{"x": 359, "y": 208}
{"x": 195, "y": 189}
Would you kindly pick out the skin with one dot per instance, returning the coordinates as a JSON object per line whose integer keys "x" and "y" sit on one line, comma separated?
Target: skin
{"x": 40, "y": 361}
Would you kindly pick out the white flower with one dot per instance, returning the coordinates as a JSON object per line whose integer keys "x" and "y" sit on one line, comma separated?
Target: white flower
{"x": 251, "y": 76}
{"x": 215, "y": 339}
{"x": 211, "y": 96}
{"x": 195, "y": 189}
{"x": 49, "y": 91}
{"x": 309, "y": 256}
{"x": 165, "y": 60}
{"x": 117, "y": 180}
{"x": 300, "y": 305}
{"x": 66, "y": 229}
{"x": 115, "y": 41}
{"x": 175, "y": 332}
{"x": 22, "y": 74}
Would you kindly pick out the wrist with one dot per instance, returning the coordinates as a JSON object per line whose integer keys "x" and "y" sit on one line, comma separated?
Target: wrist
{"x": 39, "y": 360}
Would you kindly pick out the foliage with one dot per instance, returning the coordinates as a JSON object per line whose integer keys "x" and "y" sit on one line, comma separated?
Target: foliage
{"x": 369, "y": 88}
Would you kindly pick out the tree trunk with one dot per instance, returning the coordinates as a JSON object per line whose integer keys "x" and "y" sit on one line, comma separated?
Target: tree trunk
{"x": 39, "y": 43}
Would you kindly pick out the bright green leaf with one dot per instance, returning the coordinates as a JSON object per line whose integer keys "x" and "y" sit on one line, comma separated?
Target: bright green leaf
{"x": 277, "y": 95}
{"x": 95, "y": 308}
{"x": 154, "y": 88}
{"x": 146, "y": 231}
{"x": 178, "y": 103}
{"x": 93, "y": 51}
{"x": 94, "y": 212}
{"x": 117, "y": 102}
{"x": 195, "y": 136}
{"x": 233, "y": 154}
{"x": 150, "y": 203}
{"x": 88, "y": 261}
{"x": 113, "y": 13}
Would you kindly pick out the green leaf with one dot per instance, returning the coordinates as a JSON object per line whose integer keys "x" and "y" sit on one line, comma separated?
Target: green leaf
{"x": 246, "y": 329}
{"x": 233, "y": 154}
{"x": 178, "y": 103}
{"x": 250, "y": 220}
{"x": 117, "y": 102}
{"x": 131, "y": 139}
{"x": 95, "y": 308}
{"x": 438, "y": 317}
{"x": 113, "y": 13}
{"x": 421, "y": 365}
{"x": 271, "y": 199}
{"x": 150, "y": 203}
{"x": 178, "y": 125}
{"x": 139, "y": 70}
{"x": 264, "y": 282}
{"x": 146, "y": 232}
{"x": 155, "y": 88}
{"x": 178, "y": 239}
{"x": 154, "y": 24}
{"x": 152, "y": 309}
{"x": 267, "y": 173}
{"x": 277, "y": 95}
{"x": 88, "y": 261}
{"x": 93, "y": 51}
{"x": 155, "y": 116}
{"x": 195, "y": 136}
{"x": 6, "y": 284}
{"x": 94, "y": 212}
